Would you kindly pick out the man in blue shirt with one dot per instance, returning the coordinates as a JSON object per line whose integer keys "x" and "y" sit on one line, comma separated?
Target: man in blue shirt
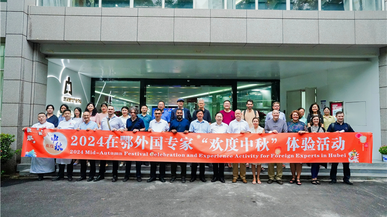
{"x": 186, "y": 113}
{"x": 199, "y": 126}
{"x": 166, "y": 115}
{"x": 340, "y": 127}
{"x": 87, "y": 125}
{"x": 133, "y": 124}
{"x": 112, "y": 123}
{"x": 145, "y": 117}
{"x": 182, "y": 126}
{"x": 51, "y": 118}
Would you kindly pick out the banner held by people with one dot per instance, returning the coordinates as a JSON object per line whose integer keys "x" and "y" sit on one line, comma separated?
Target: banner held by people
{"x": 196, "y": 147}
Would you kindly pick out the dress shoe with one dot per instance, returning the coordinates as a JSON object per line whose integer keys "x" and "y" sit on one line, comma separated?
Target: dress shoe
{"x": 203, "y": 179}
{"x": 40, "y": 177}
{"x": 244, "y": 181}
{"x": 114, "y": 179}
{"x": 151, "y": 179}
{"x": 333, "y": 181}
{"x": 99, "y": 178}
{"x": 70, "y": 179}
{"x": 90, "y": 179}
{"x": 234, "y": 180}
{"x": 280, "y": 182}
{"x": 57, "y": 178}
{"x": 270, "y": 181}
{"x": 139, "y": 179}
{"x": 183, "y": 179}
{"x": 214, "y": 179}
{"x": 348, "y": 182}
{"x": 162, "y": 179}
{"x": 80, "y": 179}
{"x": 222, "y": 180}
{"x": 173, "y": 179}
{"x": 192, "y": 179}
{"x": 125, "y": 179}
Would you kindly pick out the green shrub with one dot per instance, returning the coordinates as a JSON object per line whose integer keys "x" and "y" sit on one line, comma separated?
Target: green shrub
{"x": 6, "y": 151}
{"x": 383, "y": 149}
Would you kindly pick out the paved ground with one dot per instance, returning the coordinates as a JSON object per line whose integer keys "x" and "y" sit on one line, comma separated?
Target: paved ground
{"x": 27, "y": 197}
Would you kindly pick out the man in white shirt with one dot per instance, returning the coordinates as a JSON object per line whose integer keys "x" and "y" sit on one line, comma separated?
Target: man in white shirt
{"x": 238, "y": 126}
{"x": 112, "y": 123}
{"x": 276, "y": 106}
{"x": 199, "y": 126}
{"x": 66, "y": 124}
{"x": 40, "y": 165}
{"x": 158, "y": 125}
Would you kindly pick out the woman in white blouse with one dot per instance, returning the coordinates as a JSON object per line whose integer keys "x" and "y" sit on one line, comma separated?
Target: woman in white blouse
{"x": 218, "y": 127}
{"x": 256, "y": 129}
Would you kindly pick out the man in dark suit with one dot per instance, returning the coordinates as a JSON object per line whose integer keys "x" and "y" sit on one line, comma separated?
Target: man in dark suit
{"x": 186, "y": 112}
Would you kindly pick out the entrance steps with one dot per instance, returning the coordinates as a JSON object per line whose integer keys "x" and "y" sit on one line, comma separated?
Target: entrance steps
{"x": 359, "y": 171}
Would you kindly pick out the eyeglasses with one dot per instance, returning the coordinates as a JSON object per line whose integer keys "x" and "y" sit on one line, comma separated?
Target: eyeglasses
{"x": 157, "y": 113}
{"x": 132, "y": 112}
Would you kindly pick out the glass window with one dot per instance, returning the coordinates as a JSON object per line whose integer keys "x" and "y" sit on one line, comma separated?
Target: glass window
{"x": 333, "y": 5}
{"x": 241, "y": 4}
{"x": 272, "y": 4}
{"x": 213, "y": 96}
{"x": 366, "y": 5}
{"x": 260, "y": 92}
{"x": 147, "y": 3}
{"x": 303, "y": 4}
{"x": 179, "y": 3}
{"x": 115, "y": 3}
{"x": 209, "y": 4}
{"x": 53, "y": 3}
{"x": 117, "y": 93}
{"x": 85, "y": 3}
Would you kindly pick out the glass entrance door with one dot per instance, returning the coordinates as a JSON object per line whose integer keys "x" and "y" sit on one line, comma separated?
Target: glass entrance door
{"x": 213, "y": 96}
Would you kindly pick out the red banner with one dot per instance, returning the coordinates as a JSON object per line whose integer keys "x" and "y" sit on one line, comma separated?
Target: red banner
{"x": 199, "y": 147}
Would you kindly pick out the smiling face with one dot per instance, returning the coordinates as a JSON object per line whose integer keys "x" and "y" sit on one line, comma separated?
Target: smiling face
{"x": 179, "y": 114}
{"x": 314, "y": 108}
{"x": 67, "y": 115}
{"x": 161, "y": 106}
{"x": 86, "y": 116}
{"x": 226, "y": 105}
{"x": 275, "y": 115}
{"x": 144, "y": 109}
{"x": 104, "y": 108}
{"x": 295, "y": 116}
{"x": 276, "y": 106}
{"x": 327, "y": 112}
{"x": 302, "y": 112}
{"x": 199, "y": 115}
{"x": 249, "y": 105}
{"x": 110, "y": 110}
{"x": 255, "y": 122}
{"x": 238, "y": 115}
{"x": 219, "y": 117}
{"x": 124, "y": 112}
{"x": 316, "y": 120}
{"x": 90, "y": 107}
{"x": 77, "y": 113}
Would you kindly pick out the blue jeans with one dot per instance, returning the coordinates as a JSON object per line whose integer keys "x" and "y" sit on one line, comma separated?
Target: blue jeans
{"x": 315, "y": 168}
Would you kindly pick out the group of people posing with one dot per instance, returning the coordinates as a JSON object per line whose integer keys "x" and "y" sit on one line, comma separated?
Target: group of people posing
{"x": 180, "y": 120}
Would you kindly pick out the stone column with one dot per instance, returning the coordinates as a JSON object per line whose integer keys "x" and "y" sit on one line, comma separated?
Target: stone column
{"x": 25, "y": 78}
{"x": 383, "y": 93}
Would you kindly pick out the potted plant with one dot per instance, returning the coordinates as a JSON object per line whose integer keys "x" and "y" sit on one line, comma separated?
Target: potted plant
{"x": 383, "y": 151}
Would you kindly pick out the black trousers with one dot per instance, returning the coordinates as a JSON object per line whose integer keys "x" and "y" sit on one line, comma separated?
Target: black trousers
{"x": 69, "y": 170}
{"x": 347, "y": 171}
{"x": 194, "y": 168}
{"x": 127, "y": 169}
{"x": 183, "y": 167}
{"x": 154, "y": 168}
{"x": 218, "y": 169}
{"x": 138, "y": 168}
{"x": 84, "y": 168}
{"x": 102, "y": 168}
